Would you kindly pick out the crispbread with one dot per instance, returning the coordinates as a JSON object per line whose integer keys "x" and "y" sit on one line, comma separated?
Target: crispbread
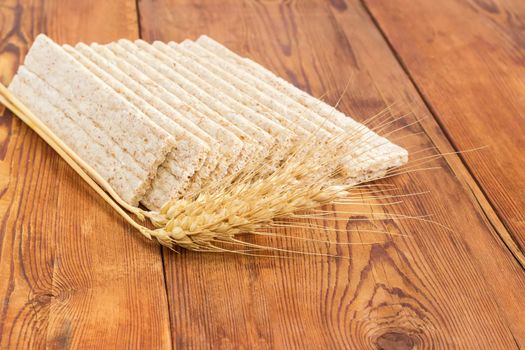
{"x": 280, "y": 103}
{"x": 85, "y": 139}
{"x": 231, "y": 97}
{"x": 155, "y": 79}
{"x": 257, "y": 137}
{"x": 228, "y": 148}
{"x": 129, "y": 128}
{"x": 181, "y": 163}
{"x": 273, "y": 99}
{"x": 232, "y": 84}
{"x": 375, "y": 153}
{"x": 143, "y": 140}
{"x": 231, "y": 151}
{"x": 157, "y": 121}
{"x": 195, "y": 86}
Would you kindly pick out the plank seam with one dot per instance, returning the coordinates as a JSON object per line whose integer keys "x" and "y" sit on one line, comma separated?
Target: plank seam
{"x": 139, "y": 18}
{"x": 161, "y": 249}
{"x": 498, "y": 225}
{"x": 162, "y": 256}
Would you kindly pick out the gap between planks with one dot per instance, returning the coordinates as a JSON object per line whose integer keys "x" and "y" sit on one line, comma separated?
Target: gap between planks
{"x": 162, "y": 250}
{"x": 457, "y": 162}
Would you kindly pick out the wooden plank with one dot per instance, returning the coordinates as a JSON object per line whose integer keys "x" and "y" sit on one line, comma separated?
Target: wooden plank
{"x": 72, "y": 273}
{"x": 467, "y": 59}
{"x": 433, "y": 289}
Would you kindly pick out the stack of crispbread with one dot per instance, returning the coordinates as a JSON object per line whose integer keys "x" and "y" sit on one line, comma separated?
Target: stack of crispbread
{"x": 160, "y": 120}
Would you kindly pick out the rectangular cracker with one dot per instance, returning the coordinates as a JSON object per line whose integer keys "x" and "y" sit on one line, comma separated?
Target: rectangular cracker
{"x": 279, "y": 103}
{"x": 226, "y": 145}
{"x": 181, "y": 163}
{"x": 228, "y": 95}
{"x": 250, "y": 147}
{"x": 231, "y": 84}
{"x": 267, "y": 95}
{"x": 213, "y": 168}
{"x": 91, "y": 144}
{"x": 194, "y": 85}
{"x": 144, "y": 141}
{"x": 260, "y": 141}
{"x": 376, "y": 152}
{"x": 231, "y": 151}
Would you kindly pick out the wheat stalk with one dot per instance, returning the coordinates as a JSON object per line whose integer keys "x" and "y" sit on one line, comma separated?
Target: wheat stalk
{"x": 247, "y": 202}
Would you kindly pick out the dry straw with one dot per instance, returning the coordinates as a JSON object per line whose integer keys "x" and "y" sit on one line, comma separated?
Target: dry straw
{"x": 251, "y": 201}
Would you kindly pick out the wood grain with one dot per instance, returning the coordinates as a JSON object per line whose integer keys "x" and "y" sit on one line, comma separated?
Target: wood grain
{"x": 72, "y": 273}
{"x": 434, "y": 288}
{"x": 467, "y": 58}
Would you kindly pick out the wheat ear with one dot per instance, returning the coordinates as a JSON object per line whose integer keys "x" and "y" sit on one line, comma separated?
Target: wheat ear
{"x": 245, "y": 202}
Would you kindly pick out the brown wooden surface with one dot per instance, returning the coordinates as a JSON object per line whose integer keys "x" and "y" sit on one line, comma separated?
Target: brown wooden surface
{"x": 412, "y": 291}
{"x": 73, "y": 275}
{"x": 467, "y": 58}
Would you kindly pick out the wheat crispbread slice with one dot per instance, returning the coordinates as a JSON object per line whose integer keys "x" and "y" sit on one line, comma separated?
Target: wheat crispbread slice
{"x": 233, "y": 98}
{"x": 273, "y": 98}
{"x": 157, "y": 81}
{"x": 227, "y": 145}
{"x": 375, "y": 154}
{"x": 110, "y": 66}
{"x": 195, "y": 87}
{"x": 133, "y": 132}
{"x": 181, "y": 163}
{"x": 80, "y": 134}
{"x": 351, "y": 165}
{"x": 242, "y": 81}
{"x": 248, "y": 97}
{"x": 94, "y": 99}
{"x": 231, "y": 84}
{"x": 257, "y": 136}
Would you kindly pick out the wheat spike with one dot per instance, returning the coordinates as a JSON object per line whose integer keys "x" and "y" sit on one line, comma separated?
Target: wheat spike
{"x": 246, "y": 202}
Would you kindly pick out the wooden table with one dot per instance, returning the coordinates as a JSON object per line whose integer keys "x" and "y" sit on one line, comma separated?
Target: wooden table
{"x": 74, "y": 275}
